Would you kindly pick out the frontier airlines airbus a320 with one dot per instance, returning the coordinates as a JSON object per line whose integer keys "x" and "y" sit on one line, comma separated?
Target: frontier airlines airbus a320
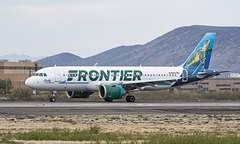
{"x": 115, "y": 82}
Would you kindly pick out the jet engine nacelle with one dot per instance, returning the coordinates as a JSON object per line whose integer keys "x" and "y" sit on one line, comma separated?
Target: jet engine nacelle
{"x": 110, "y": 91}
{"x": 78, "y": 94}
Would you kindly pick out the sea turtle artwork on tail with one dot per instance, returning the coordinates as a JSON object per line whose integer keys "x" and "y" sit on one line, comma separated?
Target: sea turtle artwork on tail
{"x": 200, "y": 56}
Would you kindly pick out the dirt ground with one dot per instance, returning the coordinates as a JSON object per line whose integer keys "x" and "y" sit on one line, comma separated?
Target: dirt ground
{"x": 170, "y": 124}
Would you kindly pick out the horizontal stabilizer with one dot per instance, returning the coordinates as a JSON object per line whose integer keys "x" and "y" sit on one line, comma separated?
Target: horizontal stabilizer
{"x": 219, "y": 72}
{"x": 205, "y": 74}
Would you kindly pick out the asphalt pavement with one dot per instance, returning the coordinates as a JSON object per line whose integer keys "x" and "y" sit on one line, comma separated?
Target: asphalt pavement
{"x": 118, "y": 108}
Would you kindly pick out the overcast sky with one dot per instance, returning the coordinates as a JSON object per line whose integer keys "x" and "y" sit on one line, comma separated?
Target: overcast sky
{"x": 88, "y": 27}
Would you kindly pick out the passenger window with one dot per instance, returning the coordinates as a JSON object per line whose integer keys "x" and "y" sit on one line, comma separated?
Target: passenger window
{"x": 45, "y": 74}
{"x": 41, "y": 74}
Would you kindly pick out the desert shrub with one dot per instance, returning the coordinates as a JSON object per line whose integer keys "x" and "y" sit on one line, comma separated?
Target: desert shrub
{"x": 22, "y": 93}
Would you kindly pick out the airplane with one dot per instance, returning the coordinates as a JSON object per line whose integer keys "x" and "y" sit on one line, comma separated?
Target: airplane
{"x": 115, "y": 82}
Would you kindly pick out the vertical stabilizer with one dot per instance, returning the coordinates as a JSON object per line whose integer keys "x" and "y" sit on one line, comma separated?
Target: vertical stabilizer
{"x": 200, "y": 57}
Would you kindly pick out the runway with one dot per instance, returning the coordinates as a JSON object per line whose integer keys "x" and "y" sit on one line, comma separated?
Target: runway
{"x": 118, "y": 108}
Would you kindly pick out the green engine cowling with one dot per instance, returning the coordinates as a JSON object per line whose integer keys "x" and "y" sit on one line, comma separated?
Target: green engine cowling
{"x": 78, "y": 94}
{"x": 110, "y": 91}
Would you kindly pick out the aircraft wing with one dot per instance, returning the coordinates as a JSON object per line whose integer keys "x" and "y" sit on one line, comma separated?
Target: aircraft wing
{"x": 139, "y": 84}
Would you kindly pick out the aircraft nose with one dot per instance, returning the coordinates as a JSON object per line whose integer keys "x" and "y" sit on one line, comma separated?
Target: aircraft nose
{"x": 29, "y": 82}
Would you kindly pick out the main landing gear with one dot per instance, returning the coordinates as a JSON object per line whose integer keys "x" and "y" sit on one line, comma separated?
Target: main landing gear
{"x": 53, "y": 98}
{"x": 108, "y": 100}
{"x": 130, "y": 98}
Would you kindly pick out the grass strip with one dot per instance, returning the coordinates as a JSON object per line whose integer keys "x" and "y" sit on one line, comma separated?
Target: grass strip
{"x": 93, "y": 134}
{"x": 193, "y": 139}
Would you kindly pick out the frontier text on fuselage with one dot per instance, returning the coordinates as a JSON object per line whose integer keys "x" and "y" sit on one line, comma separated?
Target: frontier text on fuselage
{"x": 100, "y": 75}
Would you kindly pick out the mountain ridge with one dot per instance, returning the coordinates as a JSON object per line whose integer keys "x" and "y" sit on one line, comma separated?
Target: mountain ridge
{"x": 169, "y": 49}
{"x": 62, "y": 59}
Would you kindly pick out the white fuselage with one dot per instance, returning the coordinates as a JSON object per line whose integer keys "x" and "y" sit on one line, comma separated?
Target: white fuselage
{"x": 90, "y": 78}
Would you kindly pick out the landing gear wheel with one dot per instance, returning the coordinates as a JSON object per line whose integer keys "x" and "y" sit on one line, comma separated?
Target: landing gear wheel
{"x": 127, "y": 98}
{"x": 130, "y": 98}
{"x": 108, "y": 100}
{"x": 52, "y": 99}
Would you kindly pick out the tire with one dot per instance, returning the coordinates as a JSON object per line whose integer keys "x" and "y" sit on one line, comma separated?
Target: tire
{"x": 52, "y": 99}
{"x": 108, "y": 100}
{"x": 127, "y": 98}
{"x": 130, "y": 98}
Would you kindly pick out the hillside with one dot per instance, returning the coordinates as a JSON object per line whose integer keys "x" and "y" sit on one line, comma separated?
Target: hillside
{"x": 63, "y": 59}
{"x": 171, "y": 49}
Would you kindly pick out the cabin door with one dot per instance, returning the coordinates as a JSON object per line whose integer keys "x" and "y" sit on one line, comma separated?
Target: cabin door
{"x": 57, "y": 75}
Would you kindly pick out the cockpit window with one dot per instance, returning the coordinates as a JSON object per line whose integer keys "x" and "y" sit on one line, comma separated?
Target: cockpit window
{"x": 40, "y": 74}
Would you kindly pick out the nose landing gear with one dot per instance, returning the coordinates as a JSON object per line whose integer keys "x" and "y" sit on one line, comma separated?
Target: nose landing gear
{"x": 53, "y": 98}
